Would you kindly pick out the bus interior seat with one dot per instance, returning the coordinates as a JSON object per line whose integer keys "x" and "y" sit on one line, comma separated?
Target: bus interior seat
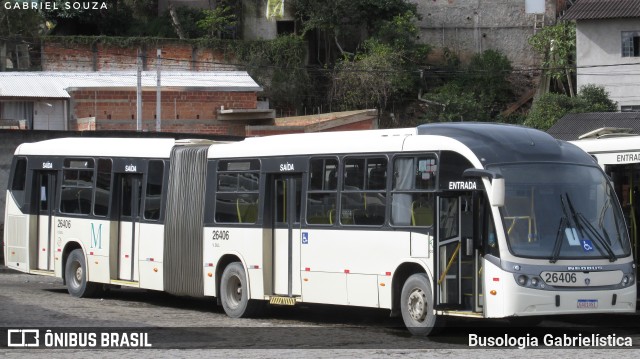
{"x": 421, "y": 213}
{"x": 247, "y": 211}
{"x": 377, "y": 178}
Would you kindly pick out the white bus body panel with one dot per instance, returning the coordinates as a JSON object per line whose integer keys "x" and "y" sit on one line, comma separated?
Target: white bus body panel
{"x": 150, "y": 257}
{"x": 45, "y": 249}
{"x": 245, "y": 243}
{"x": 96, "y": 248}
{"x": 350, "y": 266}
{"x": 16, "y": 236}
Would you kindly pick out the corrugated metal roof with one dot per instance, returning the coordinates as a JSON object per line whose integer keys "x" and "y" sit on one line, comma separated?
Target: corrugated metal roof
{"x": 573, "y": 125}
{"x": 603, "y": 9}
{"x": 56, "y": 84}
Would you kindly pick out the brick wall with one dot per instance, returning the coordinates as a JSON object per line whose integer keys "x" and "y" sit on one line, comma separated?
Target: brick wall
{"x": 102, "y": 57}
{"x": 188, "y": 111}
{"x": 67, "y": 57}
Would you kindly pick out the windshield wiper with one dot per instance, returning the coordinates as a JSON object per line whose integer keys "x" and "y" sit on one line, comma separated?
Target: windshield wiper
{"x": 558, "y": 243}
{"x": 596, "y": 235}
{"x": 579, "y": 217}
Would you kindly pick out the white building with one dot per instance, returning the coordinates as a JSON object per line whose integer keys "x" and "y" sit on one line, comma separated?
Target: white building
{"x": 608, "y": 48}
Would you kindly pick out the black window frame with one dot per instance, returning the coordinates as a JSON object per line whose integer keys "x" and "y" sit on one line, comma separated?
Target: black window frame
{"x": 246, "y": 193}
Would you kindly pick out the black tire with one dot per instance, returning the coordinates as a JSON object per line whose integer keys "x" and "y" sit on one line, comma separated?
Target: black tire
{"x": 234, "y": 293}
{"x": 416, "y": 305}
{"x": 75, "y": 275}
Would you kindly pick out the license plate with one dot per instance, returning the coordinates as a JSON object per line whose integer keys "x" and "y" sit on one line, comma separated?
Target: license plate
{"x": 587, "y": 303}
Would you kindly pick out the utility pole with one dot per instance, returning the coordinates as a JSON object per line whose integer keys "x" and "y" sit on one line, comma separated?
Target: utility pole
{"x": 158, "y": 92}
{"x": 139, "y": 94}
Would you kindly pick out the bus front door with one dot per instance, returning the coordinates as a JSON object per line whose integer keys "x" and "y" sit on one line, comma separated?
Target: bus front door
{"x": 46, "y": 195}
{"x": 286, "y": 235}
{"x": 130, "y": 192}
{"x": 457, "y": 261}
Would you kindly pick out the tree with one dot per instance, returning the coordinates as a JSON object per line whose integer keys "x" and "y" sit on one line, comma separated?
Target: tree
{"x": 597, "y": 99}
{"x": 336, "y": 18}
{"x": 557, "y": 45}
{"x": 371, "y": 78}
{"x": 219, "y": 21}
{"x": 453, "y": 103}
{"x": 20, "y": 22}
{"x": 476, "y": 93}
{"x": 550, "y": 107}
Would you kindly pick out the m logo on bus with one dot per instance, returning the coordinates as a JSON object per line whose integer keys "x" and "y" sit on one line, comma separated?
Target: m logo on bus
{"x": 96, "y": 239}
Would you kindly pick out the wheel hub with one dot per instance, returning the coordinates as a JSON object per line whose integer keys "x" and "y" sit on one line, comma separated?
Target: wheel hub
{"x": 417, "y": 305}
{"x": 79, "y": 274}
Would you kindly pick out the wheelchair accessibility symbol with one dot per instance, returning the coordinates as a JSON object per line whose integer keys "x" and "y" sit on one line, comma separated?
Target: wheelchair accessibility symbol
{"x": 587, "y": 245}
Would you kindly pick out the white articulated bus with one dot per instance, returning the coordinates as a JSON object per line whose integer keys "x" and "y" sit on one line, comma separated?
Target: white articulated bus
{"x": 618, "y": 153}
{"x": 476, "y": 220}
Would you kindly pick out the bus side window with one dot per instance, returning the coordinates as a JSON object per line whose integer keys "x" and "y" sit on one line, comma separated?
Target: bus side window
{"x": 77, "y": 186}
{"x": 237, "y": 192}
{"x": 153, "y": 196}
{"x": 322, "y": 191}
{"x": 363, "y": 196}
{"x": 413, "y": 199}
{"x": 103, "y": 188}
{"x": 18, "y": 184}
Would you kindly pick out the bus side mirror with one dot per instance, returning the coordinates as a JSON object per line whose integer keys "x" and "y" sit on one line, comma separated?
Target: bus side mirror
{"x": 497, "y": 184}
{"x": 497, "y": 192}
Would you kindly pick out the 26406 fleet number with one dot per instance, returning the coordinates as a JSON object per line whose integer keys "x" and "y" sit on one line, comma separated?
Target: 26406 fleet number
{"x": 559, "y": 277}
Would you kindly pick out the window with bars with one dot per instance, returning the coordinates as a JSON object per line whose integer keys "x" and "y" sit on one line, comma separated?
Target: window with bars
{"x": 631, "y": 44}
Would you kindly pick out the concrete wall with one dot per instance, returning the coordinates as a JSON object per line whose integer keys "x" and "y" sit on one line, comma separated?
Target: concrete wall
{"x": 471, "y": 26}
{"x": 599, "y": 42}
{"x": 255, "y": 25}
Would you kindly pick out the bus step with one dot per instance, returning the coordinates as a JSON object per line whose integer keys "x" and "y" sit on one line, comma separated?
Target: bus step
{"x": 282, "y": 300}
{"x": 42, "y": 272}
{"x": 125, "y": 283}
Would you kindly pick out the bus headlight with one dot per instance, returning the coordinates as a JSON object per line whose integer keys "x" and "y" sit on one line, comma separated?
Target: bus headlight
{"x": 534, "y": 282}
{"x": 522, "y": 280}
{"x": 625, "y": 280}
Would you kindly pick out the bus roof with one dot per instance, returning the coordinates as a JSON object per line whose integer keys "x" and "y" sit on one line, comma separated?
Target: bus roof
{"x": 610, "y": 144}
{"x": 86, "y": 146}
{"x": 316, "y": 143}
{"x": 502, "y": 143}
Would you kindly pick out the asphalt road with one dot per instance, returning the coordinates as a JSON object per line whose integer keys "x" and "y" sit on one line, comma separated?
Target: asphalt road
{"x": 160, "y": 325}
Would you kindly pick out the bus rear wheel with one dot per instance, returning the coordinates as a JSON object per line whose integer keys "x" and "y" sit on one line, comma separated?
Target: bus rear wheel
{"x": 416, "y": 305}
{"x": 234, "y": 292}
{"x": 75, "y": 275}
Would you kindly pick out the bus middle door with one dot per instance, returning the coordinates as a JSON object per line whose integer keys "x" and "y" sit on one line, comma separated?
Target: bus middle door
{"x": 286, "y": 235}
{"x": 46, "y": 199}
{"x": 129, "y": 200}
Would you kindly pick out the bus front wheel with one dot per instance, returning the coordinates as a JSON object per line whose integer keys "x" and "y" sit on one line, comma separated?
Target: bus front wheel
{"x": 234, "y": 292}
{"x": 75, "y": 275}
{"x": 416, "y": 305}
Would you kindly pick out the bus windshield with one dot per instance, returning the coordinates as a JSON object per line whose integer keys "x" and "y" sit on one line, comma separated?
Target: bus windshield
{"x": 562, "y": 211}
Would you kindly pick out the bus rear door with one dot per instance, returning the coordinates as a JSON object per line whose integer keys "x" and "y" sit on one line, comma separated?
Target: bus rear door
{"x": 45, "y": 197}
